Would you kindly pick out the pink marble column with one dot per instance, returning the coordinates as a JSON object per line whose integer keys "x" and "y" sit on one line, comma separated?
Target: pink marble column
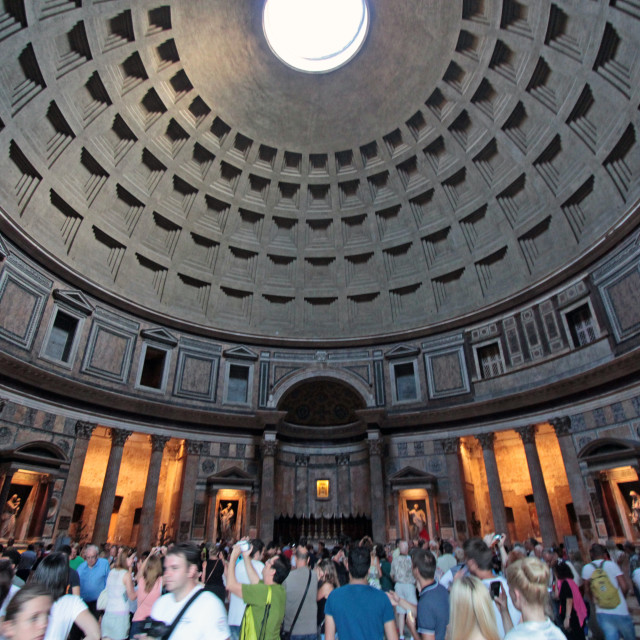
{"x": 451, "y": 448}
{"x": 146, "y": 532}
{"x": 267, "y": 488}
{"x": 498, "y": 512}
{"x": 108, "y": 495}
{"x": 190, "y": 478}
{"x": 376, "y": 445}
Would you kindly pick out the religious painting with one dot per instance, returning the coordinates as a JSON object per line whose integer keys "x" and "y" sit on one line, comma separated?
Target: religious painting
{"x": 227, "y": 517}
{"x": 631, "y": 493}
{"x": 322, "y": 489}
{"x": 417, "y": 517}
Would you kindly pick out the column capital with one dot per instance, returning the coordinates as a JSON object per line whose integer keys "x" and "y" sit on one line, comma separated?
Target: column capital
{"x": 486, "y": 440}
{"x": 376, "y": 447}
{"x": 193, "y": 447}
{"x": 450, "y": 445}
{"x": 562, "y": 425}
{"x": 158, "y": 442}
{"x": 119, "y": 436}
{"x": 269, "y": 447}
{"x": 302, "y": 460}
{"x": 527, "y": 433}
{"x": 84, "y": 429}
{"x": 343, "y": 459}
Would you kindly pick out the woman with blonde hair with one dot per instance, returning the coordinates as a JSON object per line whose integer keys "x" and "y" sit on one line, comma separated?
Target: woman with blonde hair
{"x": 528, "y": 581}
{"x": 471, "y": 613}
{"x": 149, "y": 590}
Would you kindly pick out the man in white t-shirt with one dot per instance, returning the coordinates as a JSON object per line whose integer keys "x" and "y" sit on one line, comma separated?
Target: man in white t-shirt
{"x": 236, "y": 604}
{"x": 614, "y": 622}
{"x": 206, "y": 618}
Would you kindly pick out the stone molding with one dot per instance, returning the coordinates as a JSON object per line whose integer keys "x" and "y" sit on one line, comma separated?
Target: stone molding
{"x": 486, "y": 440}
{"x": 194, "y": 447}
{"x": 158, "y": 442}
{"x": 527, "y": 433}
{"x": 562, "y": 425}
{"x": 119, "y": 436}
{"x": 450, "y": 445}
{"x": 84, "y": 430}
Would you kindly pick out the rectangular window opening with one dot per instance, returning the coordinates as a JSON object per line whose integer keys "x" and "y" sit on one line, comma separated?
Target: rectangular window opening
{"x": 238, "y": 384}
{"x": 405, "y": 382}
{"x": 153, "y": 368}
{"x": 581, "y": 325}
{"x": 63, "y": 333}
{"x": 490, "y": 360}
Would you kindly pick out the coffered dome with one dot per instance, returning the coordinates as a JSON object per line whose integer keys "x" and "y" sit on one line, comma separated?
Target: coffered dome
{"x": 473, "y": 153}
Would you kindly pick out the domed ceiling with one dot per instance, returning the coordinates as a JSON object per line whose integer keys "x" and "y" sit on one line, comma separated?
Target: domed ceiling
{"x": 471, "y": 154}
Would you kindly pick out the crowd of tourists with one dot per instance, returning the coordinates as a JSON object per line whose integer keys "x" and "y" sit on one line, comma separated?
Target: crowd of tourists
{"x": 481, "y": 589}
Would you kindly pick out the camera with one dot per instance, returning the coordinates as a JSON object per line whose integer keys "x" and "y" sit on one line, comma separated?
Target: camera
{"x": 155, "y": 629}
{"x": 243, "y": 545}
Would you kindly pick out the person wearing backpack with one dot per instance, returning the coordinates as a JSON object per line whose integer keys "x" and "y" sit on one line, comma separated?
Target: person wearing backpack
{"x": 606, "y": 585}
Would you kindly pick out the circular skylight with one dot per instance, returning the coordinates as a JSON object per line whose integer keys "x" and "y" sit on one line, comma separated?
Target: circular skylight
{"x": 315, "y": 36}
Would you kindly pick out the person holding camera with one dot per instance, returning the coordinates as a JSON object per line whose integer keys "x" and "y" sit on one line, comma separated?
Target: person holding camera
{"x": 265, "y": 600}
{"x": 200, "y": 615}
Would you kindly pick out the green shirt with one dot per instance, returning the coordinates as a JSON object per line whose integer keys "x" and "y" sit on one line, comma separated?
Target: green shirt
{"x": 255, "y": 595}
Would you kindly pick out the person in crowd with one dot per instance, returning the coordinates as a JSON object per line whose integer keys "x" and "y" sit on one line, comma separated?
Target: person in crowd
{"x": 7, "y": 589}
{"x": 27, "y": 560}
{"x": 432, "y": 611}
{"x": 267, "y": 597}
{"x": 27, "y": 615}
{"x": 358, "y": 611}
{"x": 67, "y": 609}
{"x": 337, "y": 555}
{"x": 605, "y": 584}
{"x": 206, "y": 618}
{"x": 374, "y": 568}
{"x": 405, "y": 583}
{"x": 213, "y": 572}
{"x": 386, "y": 582}
{"x": 149, "y": 590}
{"x": 301, "y": 587}
{"x": 572, "y": 611}
{"x": 93, "y": 574}
{"x": 445, "y": 561}
{"x": 75, "y": 559}
{"x": 447, "y": 579}
{"x": 74, "y": 578}
{"x": 479, "y": 562}
{"x": 528, "y": 581}
{"x": 236, "y": 604}
{"x": 471, "y": 615}
{"x": 120, "y": 590}
{"x": 327, "y": 582}
{"x": 13, "y": 556}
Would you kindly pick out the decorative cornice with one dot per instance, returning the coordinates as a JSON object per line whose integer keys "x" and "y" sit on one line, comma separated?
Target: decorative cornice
{"x": 119, "y": 436}
{"x": 486, "y": 440}
{"x": 527, "y": 433}
{"x": 84, "y": 430}
{"x": 450, "y": 445}
{"x": 562, "y": 425}
{"x": 158, "y": 442}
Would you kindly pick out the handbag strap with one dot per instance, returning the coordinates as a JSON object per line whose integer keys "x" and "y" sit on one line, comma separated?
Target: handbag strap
{"x": 174, "y": 624}
{"x": 267, "y": 608}
{"x": 212, "y": 570}
{"x": 304, "y": 595}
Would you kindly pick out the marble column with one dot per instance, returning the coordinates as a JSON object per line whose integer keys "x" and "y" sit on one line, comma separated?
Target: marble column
{"x": 376, "y": 446}
{"x": 538, "y": 487}
{"x": 433, "y": 516}
{"x": 301, "y": 490}
{"x": 189, "y": 480}
{"x": 146, "y": 532}
{"x": 267, "y": 486}
{"x": 450, "y": 447}
{"x": 577, "y": 487}
{"x": 343, "y": 462}
{"x": 108, "y": 495}
{"x": 41, "y": 507}
{"x": 68, "y": 502}
{"x": 6, "y": 486}
{"x": 498, "y": 512}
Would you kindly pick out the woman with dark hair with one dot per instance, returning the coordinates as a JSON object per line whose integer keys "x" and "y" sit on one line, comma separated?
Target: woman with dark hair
{"x": 385, "y": 568}
{"x": 53, "y": 574}
{"x": 7, "y": 590}
{"x": 214, "y": 571}
{"x": 572, "y": 609}
{"x": 27, "y": 614}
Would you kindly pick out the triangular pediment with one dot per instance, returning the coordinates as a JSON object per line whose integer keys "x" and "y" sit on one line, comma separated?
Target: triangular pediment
{"x": 402, "y": 351}
{"x": 160, "y": 335}
{"x": 411, "y": 473}
{"x": 232, "y": 472}
{"x": 75, "y": 299}
{"x": 241, "y": 353}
